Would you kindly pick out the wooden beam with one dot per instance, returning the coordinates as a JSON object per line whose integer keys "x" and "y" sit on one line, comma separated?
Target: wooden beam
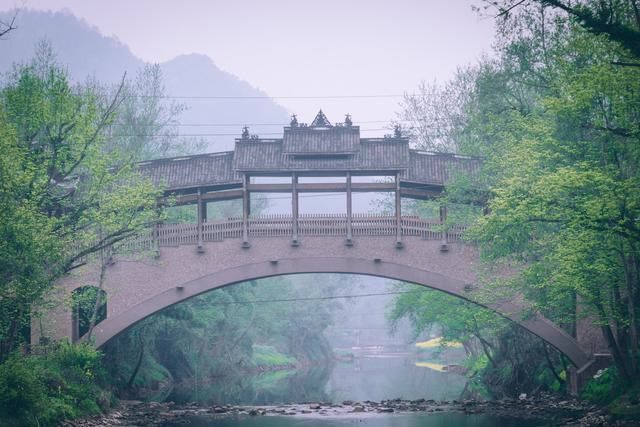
{"x": 323, "y": 187}
{"x": 420, "y": 193}
{"x": 206, "y": 197}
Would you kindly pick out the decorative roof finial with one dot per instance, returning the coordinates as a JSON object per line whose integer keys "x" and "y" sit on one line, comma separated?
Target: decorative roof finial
{"x": 397, "y": 131}
{"x": 347, "y": 120}
{"x": 320, "y": 121}
{"x": 245, "y": 132}
{"x": 294, "y": 121}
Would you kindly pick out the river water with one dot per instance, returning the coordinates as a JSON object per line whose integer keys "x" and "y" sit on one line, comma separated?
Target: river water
{"x": 369, "y": 376}
{"x": 378, "y": 367}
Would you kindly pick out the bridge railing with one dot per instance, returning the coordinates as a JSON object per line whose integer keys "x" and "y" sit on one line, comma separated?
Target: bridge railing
{"x": 362, "y": 225}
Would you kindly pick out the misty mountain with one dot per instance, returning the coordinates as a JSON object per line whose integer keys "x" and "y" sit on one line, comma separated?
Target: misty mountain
{"x": 86, "y": 52}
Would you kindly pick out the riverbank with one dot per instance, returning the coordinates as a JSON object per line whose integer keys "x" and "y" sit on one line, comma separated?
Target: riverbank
{"x": 558, "y": 411}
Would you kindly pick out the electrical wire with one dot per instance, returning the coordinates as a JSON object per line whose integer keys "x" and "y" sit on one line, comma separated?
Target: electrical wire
{"x": 274, "y": 97}
{"x": 214, "y": 134}
{"x": 243, "y": 124}
{"x": 315, "y": 298}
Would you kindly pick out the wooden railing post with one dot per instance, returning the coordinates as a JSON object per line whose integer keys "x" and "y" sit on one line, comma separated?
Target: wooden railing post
{"x": 444, "y": 244}
{"x": 398, "y": 213}
{"x": 245, "y": 211}
{"x": 294, "y": 209}
{"x": 349, "y": 241}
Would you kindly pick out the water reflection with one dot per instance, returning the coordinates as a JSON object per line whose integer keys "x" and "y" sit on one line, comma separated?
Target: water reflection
{"x": 368, "y": 377}
{"x": 380, "y": 378}
{"x": 258, "y": 389}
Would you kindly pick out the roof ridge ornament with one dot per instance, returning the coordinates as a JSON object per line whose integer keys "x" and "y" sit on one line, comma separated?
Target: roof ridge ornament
{"x": 397, "y": 131}
{"x": 347, "y": 120}
{"x": 321, "y": 121}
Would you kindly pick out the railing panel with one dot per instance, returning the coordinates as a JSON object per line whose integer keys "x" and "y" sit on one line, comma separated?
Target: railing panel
{"x": 141, "y": 242}
{"x": 322, "y": 225}
{"x": 282, "y": 226}
{"x": 177, "y": 234}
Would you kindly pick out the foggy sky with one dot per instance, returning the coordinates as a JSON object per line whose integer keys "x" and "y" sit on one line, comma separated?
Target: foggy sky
{"x": 301, "y": 48}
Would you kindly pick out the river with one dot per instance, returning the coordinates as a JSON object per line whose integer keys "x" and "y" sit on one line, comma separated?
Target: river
{"x": 373, "y": 375}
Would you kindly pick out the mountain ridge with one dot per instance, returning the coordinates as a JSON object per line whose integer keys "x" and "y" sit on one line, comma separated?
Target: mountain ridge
{"x": 88, "y": 53}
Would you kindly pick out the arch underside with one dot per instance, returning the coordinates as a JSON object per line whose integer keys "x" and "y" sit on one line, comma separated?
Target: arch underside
{"x": 545, "y": 329}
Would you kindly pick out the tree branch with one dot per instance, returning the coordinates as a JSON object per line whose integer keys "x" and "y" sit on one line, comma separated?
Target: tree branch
{"x": 5, "y": 28}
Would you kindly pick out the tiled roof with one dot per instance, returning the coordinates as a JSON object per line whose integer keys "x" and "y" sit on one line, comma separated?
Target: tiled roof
{"x": 269, "y": 156}
{"x": 191, "y": 171}
{"x": 374, "y": 154}
{"x": 438, "y": 168}
{"x": 321, "y": 140}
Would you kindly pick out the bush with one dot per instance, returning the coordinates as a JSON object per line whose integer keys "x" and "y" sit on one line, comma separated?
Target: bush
{"x": 601, "y": 389}
{"x": 61, "y": 383}
{"x": 22, "y": 392}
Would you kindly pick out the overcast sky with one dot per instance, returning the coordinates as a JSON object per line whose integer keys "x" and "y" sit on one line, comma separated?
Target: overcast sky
{"x": 301, "y": 48}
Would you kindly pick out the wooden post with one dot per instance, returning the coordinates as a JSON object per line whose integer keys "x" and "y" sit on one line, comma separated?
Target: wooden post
{"x": 245, "y": 211}
{"x": 155, "y": 233}
{"x": 203, "y": 211}
{"x": 444, "y": 244}
{"x": 349, "y": 241}
{"x": 398, "y": 213}
{"x": 200, "y": 221}
{"x": 294, "y": 209}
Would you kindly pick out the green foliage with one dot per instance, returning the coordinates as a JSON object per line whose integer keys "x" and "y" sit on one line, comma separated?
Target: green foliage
{"x": 555, "y": 116}
{"x": 223, "y": 334}
{"x": 268, "y": 356}
{"x": 602, "y": 390}
{"x": 65, "y": 190}
{"x": 44, "y": 389}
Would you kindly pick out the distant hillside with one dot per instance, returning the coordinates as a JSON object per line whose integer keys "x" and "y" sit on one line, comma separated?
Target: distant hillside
{"x": 88, "y": 53}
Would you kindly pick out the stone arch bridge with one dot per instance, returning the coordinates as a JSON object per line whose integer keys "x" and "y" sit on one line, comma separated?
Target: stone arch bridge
{"x": 174, "y": 262}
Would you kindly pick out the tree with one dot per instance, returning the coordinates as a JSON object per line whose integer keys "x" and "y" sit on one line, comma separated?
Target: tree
{"x": 564, "y": 178}
{"x": 619, "y": 20}
{"x": 66, "y": 196}
{"x": 146, "y": 122}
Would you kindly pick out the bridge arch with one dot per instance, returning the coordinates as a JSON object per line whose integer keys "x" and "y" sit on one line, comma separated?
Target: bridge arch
{"x": 543, "y": 328}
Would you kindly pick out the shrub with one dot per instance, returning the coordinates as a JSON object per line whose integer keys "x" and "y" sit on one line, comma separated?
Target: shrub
{"x": 61, "y": 383}
{"x": 22, "y": 392}
{"x": 601, "y": 388}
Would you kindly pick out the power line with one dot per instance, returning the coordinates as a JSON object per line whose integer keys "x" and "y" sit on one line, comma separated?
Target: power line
{"x": 243, "y": 124}
{"x": 315, "y": 298}
{"x": 274, "y": 97}
{"x": 213, "y": 134}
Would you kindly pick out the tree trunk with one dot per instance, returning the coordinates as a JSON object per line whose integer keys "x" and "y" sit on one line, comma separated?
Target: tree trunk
{"x": 139, "y": 362}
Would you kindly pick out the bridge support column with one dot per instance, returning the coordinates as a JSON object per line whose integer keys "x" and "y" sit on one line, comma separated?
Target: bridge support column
{"x": 294, "y": 209}
{"x": 202, "y": 215}
{"x": 444, "y": 244}
{"x": 349, "y": 241}
{"x": 398, "y": 213}
{"x": 245, "y": 211}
